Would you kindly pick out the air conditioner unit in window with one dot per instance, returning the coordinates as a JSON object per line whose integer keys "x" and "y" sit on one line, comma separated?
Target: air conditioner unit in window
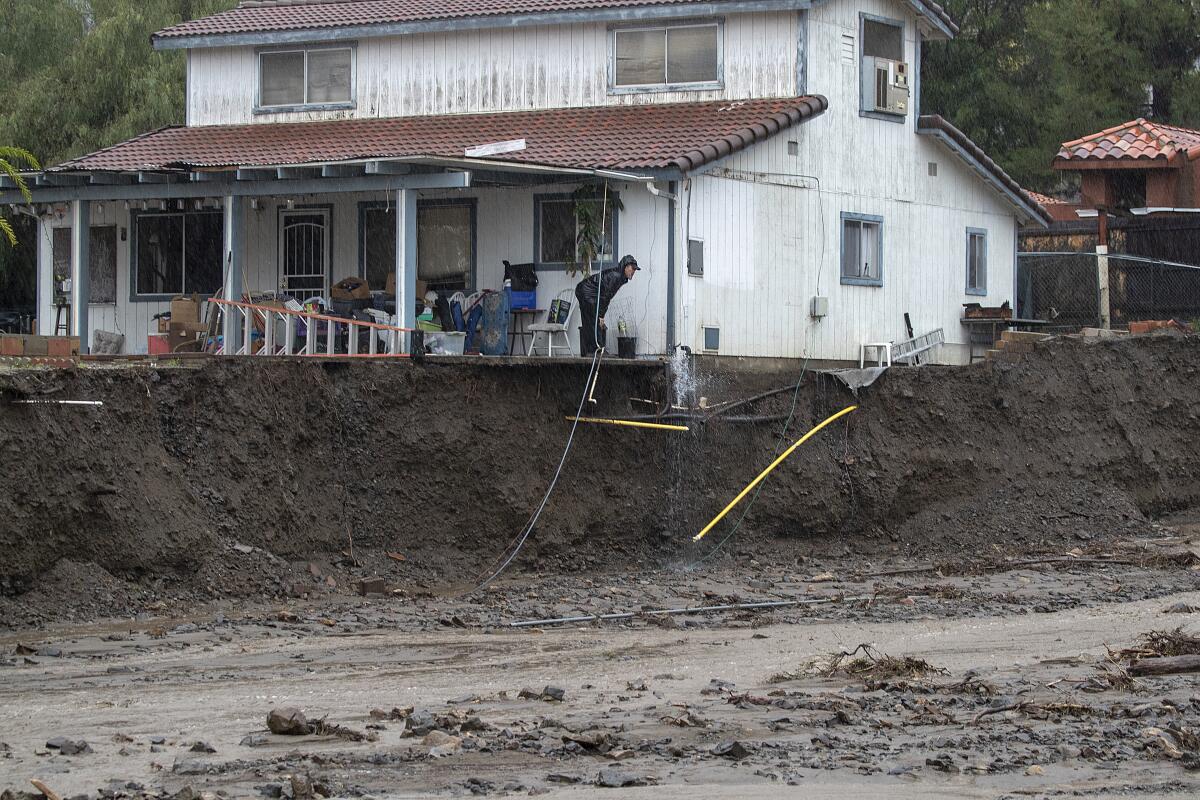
{"x": 890, "y": 86}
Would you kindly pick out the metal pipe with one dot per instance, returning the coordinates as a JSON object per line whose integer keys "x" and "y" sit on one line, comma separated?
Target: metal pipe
{"x": 663, "y": 612}
{"x": 628, "y": 423}
{"x": 58, "y": 402}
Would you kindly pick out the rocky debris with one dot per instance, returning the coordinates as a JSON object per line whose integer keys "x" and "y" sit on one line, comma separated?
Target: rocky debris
{"x": 730, "y": 749}
{"x": 1181, "y": 608}
{"x": 614, "y": 778}
{"x": 368, "y": 587}
{"x": 202, "y": 747}
{"x": 68, "y": 747}
{"x": 288, "y": 721}
{"x": 441, "y": 744}
{"x": 550, "y": 693}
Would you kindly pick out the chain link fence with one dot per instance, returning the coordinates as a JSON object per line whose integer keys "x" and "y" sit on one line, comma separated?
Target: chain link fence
{"x": 1065, "y": 289}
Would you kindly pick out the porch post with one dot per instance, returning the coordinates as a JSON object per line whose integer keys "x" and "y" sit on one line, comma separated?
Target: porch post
{"x": 232, "y": 288}
{"x": 81, "y": 213}
{"x": 406, "y": 263}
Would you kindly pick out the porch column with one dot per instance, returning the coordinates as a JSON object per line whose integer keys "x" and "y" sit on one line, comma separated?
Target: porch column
{"x": 81, "y": 220}
{"x": 231, "y": 329}
{"x": 406, "y": 263}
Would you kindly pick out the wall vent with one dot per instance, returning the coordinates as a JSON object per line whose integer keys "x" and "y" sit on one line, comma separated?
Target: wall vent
{"x": 695, "y": 257}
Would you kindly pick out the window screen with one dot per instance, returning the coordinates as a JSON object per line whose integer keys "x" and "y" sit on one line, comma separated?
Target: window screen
{"x": 178, "y": 253}
{"x": 882, "y": 40}
{"x": 558, "y": 233}
{"x": 860, "y": 250}
{"x": 306, "y": 77}
{"x": 379, "y": 245}
{"x": 681, "y": 54}
{"x": 445, "y": 246}
{"x": 102, "y": 264}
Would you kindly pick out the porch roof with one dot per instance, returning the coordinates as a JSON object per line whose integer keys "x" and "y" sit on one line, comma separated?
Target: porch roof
{"x": 677, "y": 137}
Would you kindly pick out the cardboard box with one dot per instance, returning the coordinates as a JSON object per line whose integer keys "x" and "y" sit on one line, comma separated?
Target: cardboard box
{"x": 164, "y": 324}
{"x": 185, "y": 309}
{"x": 390, "y": 288}
{"x": 62, "y": 346}
{"x": 352, "y": 288}
{"x": 12, "y": 345}
{"x": 182, "y": 336}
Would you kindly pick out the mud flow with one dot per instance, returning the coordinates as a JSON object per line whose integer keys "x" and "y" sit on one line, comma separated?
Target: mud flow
{"x": 244, "y": 579}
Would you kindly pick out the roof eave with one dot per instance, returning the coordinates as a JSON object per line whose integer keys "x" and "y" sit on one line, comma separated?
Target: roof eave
{"x": 1018, "y": 199}
{"x": 812, "y": 106}
{"x": 349, "y": 32}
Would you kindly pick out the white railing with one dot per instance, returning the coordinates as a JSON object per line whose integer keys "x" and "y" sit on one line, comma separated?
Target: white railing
{"x": 288, "y": 332}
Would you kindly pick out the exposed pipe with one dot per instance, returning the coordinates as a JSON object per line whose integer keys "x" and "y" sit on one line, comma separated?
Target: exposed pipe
{"x": 762, "y": 475}
{"x": 663, "y": 612}
{"x": 629, "y": 423}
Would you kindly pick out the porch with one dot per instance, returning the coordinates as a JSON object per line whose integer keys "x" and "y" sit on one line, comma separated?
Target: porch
{"x": 293, "y": 232}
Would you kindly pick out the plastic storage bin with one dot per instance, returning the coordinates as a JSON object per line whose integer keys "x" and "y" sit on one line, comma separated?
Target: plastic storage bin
{"x": 445, "y": 343}
{"x": 524, "y": 299}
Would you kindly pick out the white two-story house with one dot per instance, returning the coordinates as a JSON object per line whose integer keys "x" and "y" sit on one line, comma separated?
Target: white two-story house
{"x": 766, "y": 161}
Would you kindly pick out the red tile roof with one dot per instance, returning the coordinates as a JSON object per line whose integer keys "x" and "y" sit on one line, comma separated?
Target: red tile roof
{"x": 677, "y": 135}
{"x": 1059, "y": 210}
{"x": 1136, "y": 140}
{"x": 260, "y": 16}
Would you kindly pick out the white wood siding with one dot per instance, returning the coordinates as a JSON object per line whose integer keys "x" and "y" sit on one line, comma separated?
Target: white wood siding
{"x": 773, "y": 238}
{"x": 515, "y": 69}
{"x": 504, "y": 231}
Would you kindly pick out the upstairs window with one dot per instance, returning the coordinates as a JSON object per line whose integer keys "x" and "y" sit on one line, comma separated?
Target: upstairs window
{"x": 883, "y": 73}
{"x": 305, "y": 77}
{"x": 862, "y": 250}
{"x": 673, "y": 56}
{"x": 976, "y": 261}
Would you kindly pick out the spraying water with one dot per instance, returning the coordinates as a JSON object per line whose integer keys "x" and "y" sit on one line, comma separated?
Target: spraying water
{"x": 685, "y": 381}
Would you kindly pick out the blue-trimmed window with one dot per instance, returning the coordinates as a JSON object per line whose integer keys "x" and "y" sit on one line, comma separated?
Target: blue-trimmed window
{"x": 679, "y": 56}
{"x": 447, "y": 249}
{"x": 556, "y": 232}
{"x": 176, "y": 252}
{"x": 976, "y": 261}
{"x": 302, "y": 78}
{"x": 882, "y": 70}
{"x": 862, "y": 249}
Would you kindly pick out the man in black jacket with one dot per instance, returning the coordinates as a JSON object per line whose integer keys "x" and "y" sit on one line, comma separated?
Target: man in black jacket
{"x": 594, "y": 293}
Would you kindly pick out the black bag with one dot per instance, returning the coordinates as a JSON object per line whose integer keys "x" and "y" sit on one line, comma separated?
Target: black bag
{"x": 523, "y": 277}
{"x": 441, "y": 309}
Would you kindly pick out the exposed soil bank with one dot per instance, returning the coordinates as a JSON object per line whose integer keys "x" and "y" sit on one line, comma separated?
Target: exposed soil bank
{"x": 445, "y": 463}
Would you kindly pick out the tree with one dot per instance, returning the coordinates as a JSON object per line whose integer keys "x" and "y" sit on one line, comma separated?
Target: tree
{"x": 11, "y": 159}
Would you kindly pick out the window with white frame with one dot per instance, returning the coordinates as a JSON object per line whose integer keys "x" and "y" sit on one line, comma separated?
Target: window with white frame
{"x": 558, "y": 231}
{"x": 685, "y": 55}
{"x": 178, "y": 253}
{"x": 302, "y": 76}
{"x": 976, "y": 261}
{"x": 862, "y": 249}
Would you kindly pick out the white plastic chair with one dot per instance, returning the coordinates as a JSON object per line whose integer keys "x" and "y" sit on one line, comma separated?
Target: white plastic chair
{"x": 551, "y": 329}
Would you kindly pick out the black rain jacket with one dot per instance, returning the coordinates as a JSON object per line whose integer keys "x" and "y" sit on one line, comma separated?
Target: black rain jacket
{"x": 607, "y": 283}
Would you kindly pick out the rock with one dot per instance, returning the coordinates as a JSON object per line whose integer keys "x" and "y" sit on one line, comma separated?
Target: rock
{"x": 441, "y": 744}
{"x": 272, "y": 790}
{"x": 288, "y": 721}
{"x": 244, "y": 549}
{"x": 421, "y": 722}
{"x": 68, "y": 747}
{"x": 554, "y": 693}
{"x": 370, "y": 586}
{"x": 1181, "y": 608}
{"x": 186, "y": 793}
{"x": 1034, "y": 769}
{"x": 558, "y": 777}
{"x": 50, "y": 652}
{"x": 186, "y": 627}
{"x": 202, "y": 747}
{"x": 614, "y": 778}
{"x": 301, "y": 787}
{"x": 824, "y": 577}
{"x": 730, "y": 749}
{"x": 253, "y": 740}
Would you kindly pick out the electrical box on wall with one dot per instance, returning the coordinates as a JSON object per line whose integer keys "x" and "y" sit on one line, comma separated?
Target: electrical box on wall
{"x": 820, "y": 307}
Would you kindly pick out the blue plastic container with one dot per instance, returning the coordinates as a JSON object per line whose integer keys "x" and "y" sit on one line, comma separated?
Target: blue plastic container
{"x": 524, "y": 299}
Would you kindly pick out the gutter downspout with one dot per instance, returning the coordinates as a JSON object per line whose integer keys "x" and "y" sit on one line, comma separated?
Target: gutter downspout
{"x": 671, "y": 266}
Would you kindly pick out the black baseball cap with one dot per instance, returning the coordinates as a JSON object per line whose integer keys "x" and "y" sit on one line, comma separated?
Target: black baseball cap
{"x": 629, "y": 261}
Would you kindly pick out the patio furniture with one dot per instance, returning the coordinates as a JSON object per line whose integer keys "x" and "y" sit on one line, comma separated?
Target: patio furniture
{"x": 552, "y": 329}
{"x": 520, "y": 329}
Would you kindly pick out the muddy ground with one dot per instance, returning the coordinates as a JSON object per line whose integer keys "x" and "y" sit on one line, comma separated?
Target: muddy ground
{"x": 186, "y": 557}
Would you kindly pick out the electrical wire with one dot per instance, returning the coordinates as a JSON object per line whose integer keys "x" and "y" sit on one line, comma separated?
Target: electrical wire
{"x": 517, "y": 544}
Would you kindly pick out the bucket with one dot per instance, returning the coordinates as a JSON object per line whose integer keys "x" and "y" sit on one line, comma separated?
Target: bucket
{"x": 627, "y": 346}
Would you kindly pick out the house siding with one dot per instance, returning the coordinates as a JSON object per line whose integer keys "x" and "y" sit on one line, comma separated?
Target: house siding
{"x": 771, "y": 223}
{"x": 553, "y": 66}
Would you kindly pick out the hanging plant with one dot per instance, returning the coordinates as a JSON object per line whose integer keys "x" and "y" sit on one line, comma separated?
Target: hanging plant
{"x": 591, "y": 219}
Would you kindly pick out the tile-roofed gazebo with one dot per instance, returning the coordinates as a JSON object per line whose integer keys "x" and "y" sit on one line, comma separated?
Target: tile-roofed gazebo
{"x": 1138, "y": 140}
